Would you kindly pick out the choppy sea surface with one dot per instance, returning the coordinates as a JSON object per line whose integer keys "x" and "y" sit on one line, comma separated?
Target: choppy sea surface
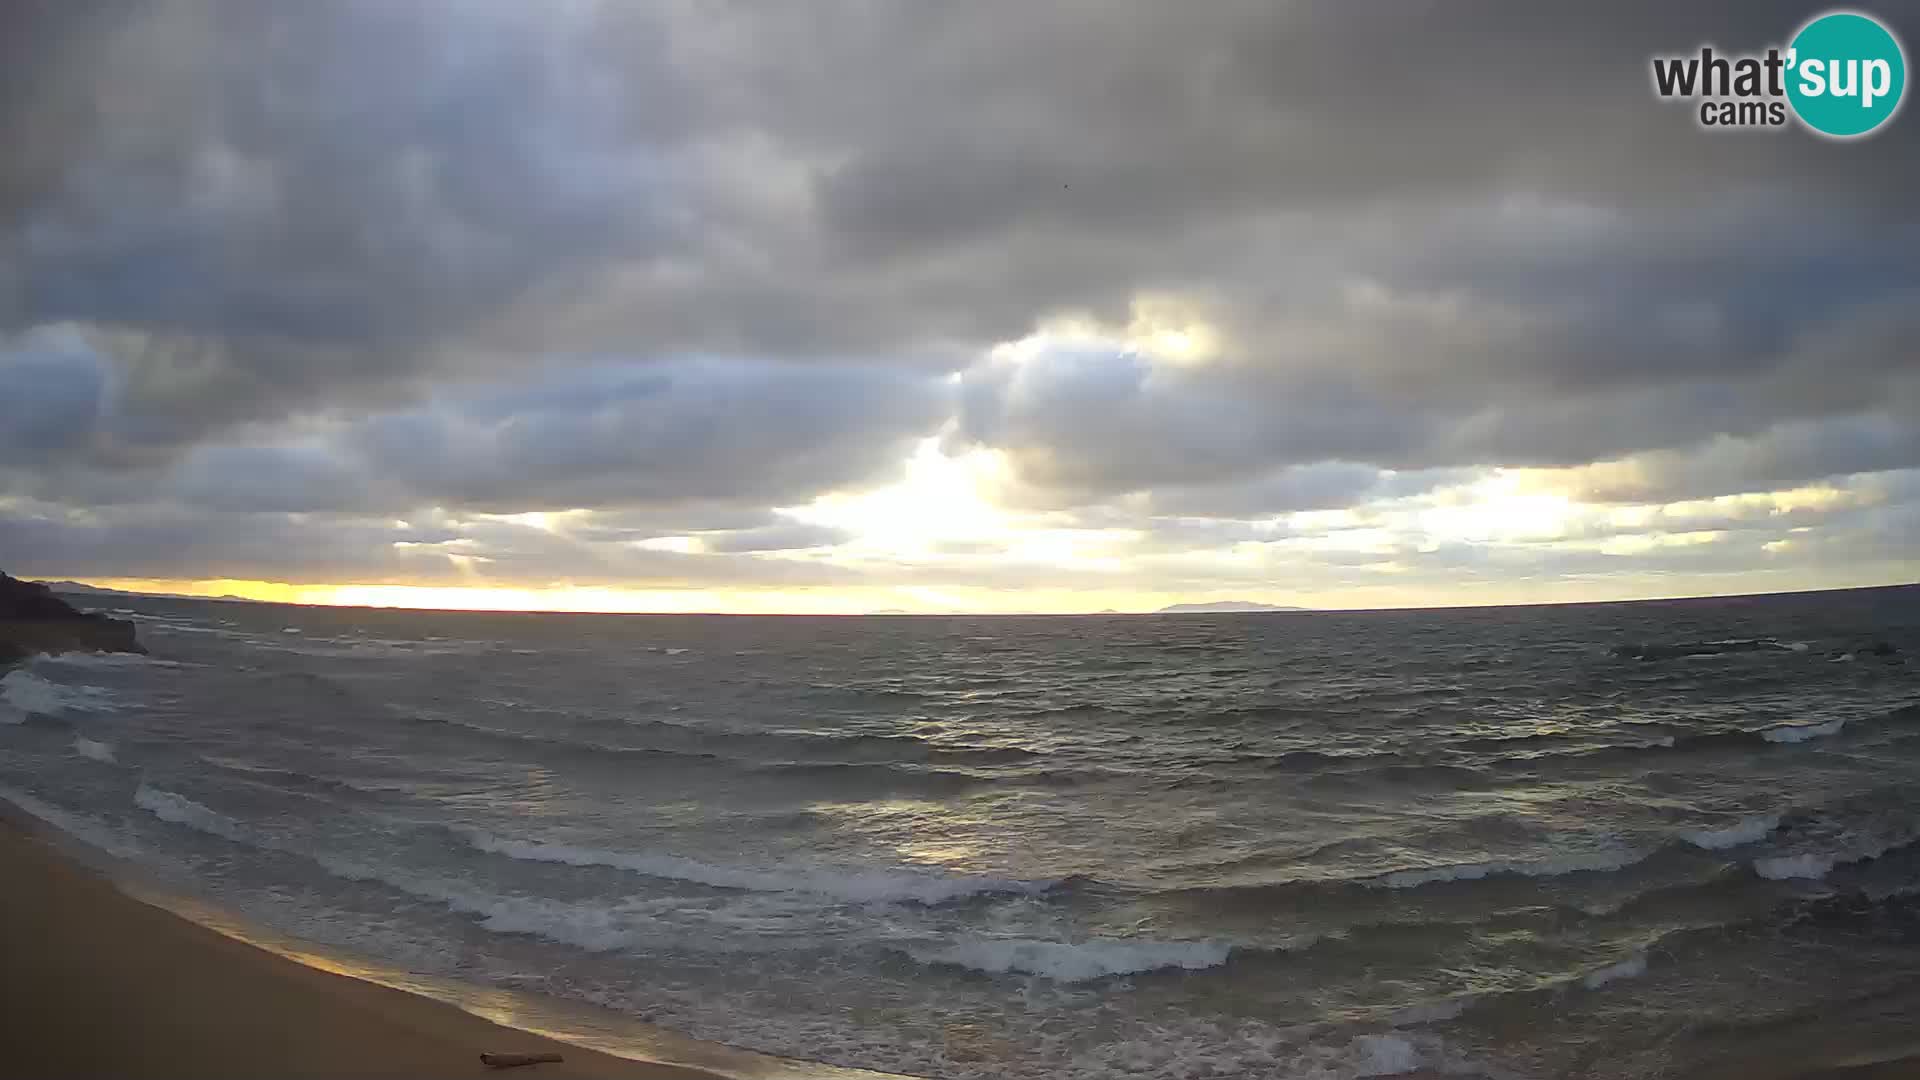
{"x": 1622, "y": 840}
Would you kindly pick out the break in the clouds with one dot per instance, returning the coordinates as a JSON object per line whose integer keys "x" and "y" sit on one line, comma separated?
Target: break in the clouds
{"x": 1386, "y": 304}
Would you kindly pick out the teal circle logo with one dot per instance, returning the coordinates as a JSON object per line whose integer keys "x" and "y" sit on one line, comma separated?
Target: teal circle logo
{"x": 1846, "y": 74}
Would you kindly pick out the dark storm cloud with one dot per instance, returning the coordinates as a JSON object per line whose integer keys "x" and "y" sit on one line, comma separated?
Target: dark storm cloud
{"x": 54, "y": 391}
{"x": 711, "y": 440}
{"x": 266, "y": 256}
{"x": 661, "y": 434}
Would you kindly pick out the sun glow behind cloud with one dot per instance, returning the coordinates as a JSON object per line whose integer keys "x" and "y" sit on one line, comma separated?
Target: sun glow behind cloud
{"x": 944, "y": 514}
{"x": 950, "y": 531}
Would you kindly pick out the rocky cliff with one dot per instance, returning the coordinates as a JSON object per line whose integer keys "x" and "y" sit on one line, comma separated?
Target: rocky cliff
{"x": 34, "y": 620}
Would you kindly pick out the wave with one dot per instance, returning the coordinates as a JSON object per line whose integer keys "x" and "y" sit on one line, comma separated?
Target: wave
{"x": 176, "y": 626}
{"x": 1469, "y": 760}
{"x": 856, "y": 886}
{"x": 1632, "y": 967}
{"x": 1816, "y": 865}
{"x": 1688, "y": 650}
{"x": 1796, "y": 733}
{"x": 1604, "y": 861}
{"x": 269, "y": 776}
{"x": 106, "y": 660}
{"x": 176, "y": 808}
{"x": 86, "y": 829}
{"x": 1075, "y": 962}
{"x": 27, "y": 694}
{"x": 1745, "y": 831}
{"x": 773, "y": 751}
{"x": 892, "y": 748}
{"x": 97, "y": 751}
{"x": 593, "y": 927}
{"x": 1433, "y": 1012}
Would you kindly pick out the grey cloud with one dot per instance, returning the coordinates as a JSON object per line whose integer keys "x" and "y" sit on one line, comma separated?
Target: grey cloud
{"x": 284, "y": 479}
{"x": 1778, "y": 458}
{"x": 330, "y": 549}
{"x": 786, "y": 536}
{"x": 1321, "y": 486}
{"x": 53, "y": 392}
{"x": 361, "y": 257}
{"x": 655, "y": 434}
{"x": 656, "y": 449}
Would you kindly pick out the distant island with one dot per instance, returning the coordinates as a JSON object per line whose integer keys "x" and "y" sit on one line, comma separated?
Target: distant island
{"x": 1223, "y": 606}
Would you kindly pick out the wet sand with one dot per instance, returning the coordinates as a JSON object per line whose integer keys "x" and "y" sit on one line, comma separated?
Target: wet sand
{"x": 97, "y": 983}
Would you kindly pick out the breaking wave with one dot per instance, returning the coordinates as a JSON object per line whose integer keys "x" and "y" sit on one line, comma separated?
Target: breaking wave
{"x": 1744, "y": 831}
{"x": 27, "y": 694}
{"x": 97, "y": 751}
{"x": 180, "y": 810}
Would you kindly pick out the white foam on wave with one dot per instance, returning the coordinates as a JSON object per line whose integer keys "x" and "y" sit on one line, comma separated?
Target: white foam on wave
{"x": 188, "y": 628}
{"x": 866, "y": 887}
{"x": 596, "y": 928}
{"x": 1392, "y": 1053}
{"x": 24, "y": 693}
{"x": 1076, "y": 962}
{"x": 1566, "y": 864}
{"x": 1745, "y": 831}
{"x": 1798, "y": 733}
{"x": 1783, "y": 867}
{"x": 1632, "y": 967}
{"x": 180, "y": 810}
{"x": 105, "y": 660}
{"x": 89, "y": 748}
{"x": 1814, "y": 865}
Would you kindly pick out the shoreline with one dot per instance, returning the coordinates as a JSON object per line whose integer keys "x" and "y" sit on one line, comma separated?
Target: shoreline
{"x": 103, "y": 979}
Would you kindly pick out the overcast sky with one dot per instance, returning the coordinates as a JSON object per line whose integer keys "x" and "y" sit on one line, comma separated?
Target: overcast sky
{"x": 987, "y": 306}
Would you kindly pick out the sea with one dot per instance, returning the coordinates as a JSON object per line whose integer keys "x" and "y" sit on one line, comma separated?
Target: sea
{"x": 1609, "y": 840}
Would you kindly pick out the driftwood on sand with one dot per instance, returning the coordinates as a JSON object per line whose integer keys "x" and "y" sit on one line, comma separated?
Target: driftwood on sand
{"x": 511, "y": 1061}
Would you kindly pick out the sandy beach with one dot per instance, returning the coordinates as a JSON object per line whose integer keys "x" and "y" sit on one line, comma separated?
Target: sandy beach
{"x": 100, "y": 984}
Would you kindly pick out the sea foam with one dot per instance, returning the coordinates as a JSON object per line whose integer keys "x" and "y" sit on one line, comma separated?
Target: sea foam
{"x": 1632, "y": 967}
{"x": 180, "y": 810}
{"x": 1745, "y": 831}
{"x": 26, "y": 693}
{"x": 1796, "y": 733}
{"x": 1815, "y": 865}
{"x": 90, "y": 748}
{"x": 106, "y": 660}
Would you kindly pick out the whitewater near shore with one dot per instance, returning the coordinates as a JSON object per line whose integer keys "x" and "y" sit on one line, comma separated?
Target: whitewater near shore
{"x": 1606, "y": 840}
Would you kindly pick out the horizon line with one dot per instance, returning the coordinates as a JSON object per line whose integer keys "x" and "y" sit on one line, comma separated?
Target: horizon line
{"x": 895, "y": 614}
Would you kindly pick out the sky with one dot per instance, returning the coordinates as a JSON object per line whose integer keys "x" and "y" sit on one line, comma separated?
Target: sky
{"x": 996, "y": 306}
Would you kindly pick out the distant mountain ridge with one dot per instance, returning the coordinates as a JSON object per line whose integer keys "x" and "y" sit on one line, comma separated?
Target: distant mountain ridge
{"x": 81, "y": 588}
{"x": 1222, "y": 607}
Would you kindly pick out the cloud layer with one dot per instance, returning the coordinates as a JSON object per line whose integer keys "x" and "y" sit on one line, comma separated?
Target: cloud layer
{"x": 1249, "y": 296}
